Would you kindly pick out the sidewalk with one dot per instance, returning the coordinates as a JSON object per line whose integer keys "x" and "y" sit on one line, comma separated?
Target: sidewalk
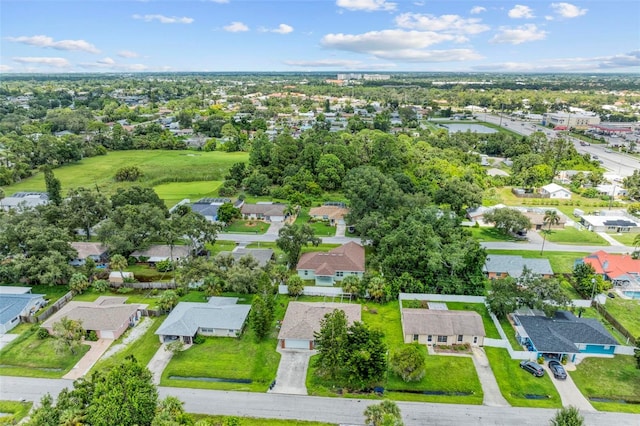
{"x": 89, "y": 359}
{"x": 610, "y": 240}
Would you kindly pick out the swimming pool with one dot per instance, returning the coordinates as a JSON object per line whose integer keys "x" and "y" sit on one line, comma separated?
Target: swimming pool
{"x": 632, "y": 294}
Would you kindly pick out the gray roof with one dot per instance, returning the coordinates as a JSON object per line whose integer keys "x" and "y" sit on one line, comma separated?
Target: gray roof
{"x": 442, "y": 323}
{"x": 162, "y": 252}
{"x": 106, "y": 313}
{"x": 513, "y": 265}
{"x": 262, "y": 256}
{"x": 219, "y": 312}
{"x": 563, "y": 332}
{"x": 24, "y": 200}
{"x": 302, "y": 319}
{"x": 12, "y": 305}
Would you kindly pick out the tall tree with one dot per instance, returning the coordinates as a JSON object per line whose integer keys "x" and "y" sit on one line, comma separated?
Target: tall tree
{"x": 84, "y": 209}
{"x": 119, "y": 263}
{"x": 291, "y": 239}
{"x": 53, "y": 185}
{"x": 330, "y": 343}
{"x": 551, "y": 218}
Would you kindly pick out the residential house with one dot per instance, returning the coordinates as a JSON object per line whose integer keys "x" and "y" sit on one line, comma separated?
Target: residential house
{"x": 88, "y": 250}
{"x": 108, "y": 316}
{"x": 610, "y": 223}
{"x": 537, "y": 220}
{"x": 269, "y": 212}
{"x": 501, "y": 266}
{"x": 476, "y": 214}
{"x": 15, "y": 305}
{"x": 553, "y": 190}
{"x": 24, "y": 200}
{"x": 442, "y": 327}
{"x": 327, "y": 268}
{"x": 333, "y": 213}
{"x": 302, "y": 320}
{"x": 208, "y": 207}
{"x": 621, "y": 269}
{"x": 262, "y": 256}
{"x": 161, "y": 252}
{"x": 220, "y": 316}
{"x": 564, "y": 334}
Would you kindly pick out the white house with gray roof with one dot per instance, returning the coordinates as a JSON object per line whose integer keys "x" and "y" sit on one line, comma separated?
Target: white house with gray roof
{"x": 14, "y": 305}
{"x": 502, "y": 266}
{"x": 24, "y": 200}
{"x": 220, "y": 316}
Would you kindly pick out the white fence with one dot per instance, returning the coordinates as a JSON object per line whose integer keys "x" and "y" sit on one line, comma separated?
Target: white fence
{"x": 440, "y": 297}
{"x": 315, "y": 291}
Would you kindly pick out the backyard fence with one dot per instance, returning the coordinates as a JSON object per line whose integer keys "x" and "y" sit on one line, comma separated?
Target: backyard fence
{"x": 147, "y": 286}
{"x": 32, "y": 319}
{"x": 600, "y": 308}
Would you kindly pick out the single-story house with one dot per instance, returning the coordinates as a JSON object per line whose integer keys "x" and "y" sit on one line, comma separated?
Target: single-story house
{"x": 502, "y": 265}
{"x": 476, "y": 214}
{"x": 220, "y": 316}
{"x": 621, "y": 269}
{"x": 327, "y": 268}
{"x": 615, "y": 191}
{"x": 442, "y": 327}
{"x": 208, "y": 207}
{"x": 96, "y": 251}
{"x": 269, "y": 212}
{"x": 334, "y": 214}
{"x": 553, "y": 190}
{"x": 611, "y": 223}
{"x": 537, "y": 220}
{"x": 262, "y": 256}
{"x": 108, "y": 316}
{"x": 162, "y": 252}
{"x": 302, "y": 320}
{"x": 24, "y": 200}
{"x": 15, "y": 305}
{"x": 564, "y": 334}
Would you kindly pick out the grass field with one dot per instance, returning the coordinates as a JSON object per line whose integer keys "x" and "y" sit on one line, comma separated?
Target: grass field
{"x": 571, "y": 235}
{"x": 250, "y": 226}
{"x": 173, "y": 192}
{"x": 626, "y": 239}
{"x": 158, "y": 167}
{"x": 14, "y": 411}
{"x": 627, "y": 312}
{"x": 515, "y": 383}
{"x": 489, "y": 234}
{"x": 561, "y": 261}
{"x": 320, "y": 229}
{"x": 610, "y": 378}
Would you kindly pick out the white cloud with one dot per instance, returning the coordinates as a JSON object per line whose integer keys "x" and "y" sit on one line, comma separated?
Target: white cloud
{"x": 219, "y": 1}
{"x": 338, "y": 64}
{"x": 110, "y": 64}
{"x": 283, "y": 29}
{"x": 236, "y": 27}
{"x": 446, "y": 23}
{"x": 520, "y": 12}
{"x": 106, "y": 61}
{"x": 594, "y": 64}
{"x": 46, "y": 41}
{"x": 366, "y": 5}
{"x": 415, "y": 55}
{"x": 164, "y": 19}
{"x": 568, "y": 10}
{"x": 519, "y": 35}
{"x": 477, "y": 9}
{"x": 127, "y": 54}
{"x": 53, "y": 62}
{"x": 5, "y": 68}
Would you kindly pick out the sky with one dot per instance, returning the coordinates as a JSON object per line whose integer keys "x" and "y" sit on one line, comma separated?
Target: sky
{"x": 520, "y": 36}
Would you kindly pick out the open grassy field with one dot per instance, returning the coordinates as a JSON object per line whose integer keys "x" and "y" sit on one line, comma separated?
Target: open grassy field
{"x": 515, "y": 383}
{"x": 485, "y": 234}
{"x": 571, "y": 235}
{"x": 158, "y": 167}
{"x": 609, "y": 378}
{"x": 505, "y": 196}
{"x": 627, "y": 312}
{"x": 320, "y": 229}
{"x": 174, "y": 192}
{"x": 561, "y": 261}
{"x": 16, "y": 411}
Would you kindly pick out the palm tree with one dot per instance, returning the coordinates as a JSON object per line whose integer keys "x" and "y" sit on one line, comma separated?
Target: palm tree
{"x": 118, "y": 262}
{"x": 551, "y": 218}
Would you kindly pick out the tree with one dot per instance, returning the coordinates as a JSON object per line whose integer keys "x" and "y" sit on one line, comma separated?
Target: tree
{"x": 227, "y": 213}
{"x": 170, "y": 412}
{"x": 261, "y": 316}
{"x": 119, "y": 263}
{"x": 632, "y": 184}
{"x": 295, "y": 285}
{"x": 53, "y": 186}
{"x": 257, "y": 184}
{"x": 168, "y": 300}
{"x": 503, "y": 297}
{"x": 459, "y": 194}
{"x": 84, "y": 209}
{"x": 551, "y": 218}
{"x": 291, "y": 239}
{"x": 508, "y": 221}
{"x": 351, "y": 284}
{"x": 78, "y": 283}
{"x": 385, "y": 413}
{"x": 409, "y": 362}
{"x": 128, "y": 174}
{"x": 68, "y": 335}
{"x": 364, "y": 357}
{"x": 376, "y": 288}
{"x": 330, "y": 343}
{"x": 330, "y": 172}
{"x": 567, "y": 416}
{"x": 136, "y": 195}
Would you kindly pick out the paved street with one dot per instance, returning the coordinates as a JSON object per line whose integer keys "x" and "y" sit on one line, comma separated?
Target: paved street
{"x": 335, "y": 410}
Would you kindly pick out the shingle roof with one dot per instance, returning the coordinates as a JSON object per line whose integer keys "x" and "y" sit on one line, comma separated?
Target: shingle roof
{"x": 331, "y": 212}
{"x": 86, "y": 249}
{"x": 11, "y": 305}
{"x": 302, "y": 319}
{"x": 564, "y": 332}
{"x": 219, "y": 312}
{"x": 264, "y": 209}
{"x": 263, "y": 256}
{"x": 513, "y": 265}
{"x": 442, "y": 323}
{"x": 347, "y": 257}
{"x": 105, "y": 314}
{"x": 161, "y": 252}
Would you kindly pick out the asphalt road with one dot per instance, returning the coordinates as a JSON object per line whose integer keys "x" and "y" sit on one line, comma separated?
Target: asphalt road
{"x": 332, "y": 410}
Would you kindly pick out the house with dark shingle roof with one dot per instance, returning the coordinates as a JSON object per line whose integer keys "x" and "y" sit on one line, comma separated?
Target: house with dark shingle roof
{"x": 270, "y": 212}
{"x": 564, "y": 334}
{"x": 501, "y": 266}
{"x": 327, "y": 268}
{"x": 442, "y": 327}
{"x": 220, "y": 316}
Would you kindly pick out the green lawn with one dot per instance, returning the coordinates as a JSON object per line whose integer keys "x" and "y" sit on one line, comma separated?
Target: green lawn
{"x": 626, "y": 239}
{"x": 320, "y": 229}
{"x": 561, "y": 261}
{"x": 174, "y": 192}
{"x": 385, "y": 318}
{"x": 489, "y": 234}
{"x": 146, "y": 273}
{"x": 15, "y": 410}
{"x": 515, "y": 383}
{"x": 251, "y": 226}
{"x": 489, "y": 326}
{"x": 511, "y": 334}
{"x": 157, "y": 166}
{"x": 221, "y": 245}
{"x": 611, "y": 378}
{"x": 571, "y": 235}
{"x": 627, "y": 312}
{"x": 505, "y": 196}
{"x": 28, "y": 356}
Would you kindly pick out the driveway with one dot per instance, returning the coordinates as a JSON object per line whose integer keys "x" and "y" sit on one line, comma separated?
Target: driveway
{"x": 274, "y": 228}
{"x": 340, "y": 229}
{"x": 292, "y": 371}
{"x": 159, "y": 362}
{"x": 98, "y": 348}
{"x": 492, "y": 395}
{"x": 569, "y": 392}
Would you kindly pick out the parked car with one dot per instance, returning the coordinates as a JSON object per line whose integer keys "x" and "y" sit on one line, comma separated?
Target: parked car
{"x": 532, "y": 367}
{"x": 557, "y": 369}
{"x": 607, "y": 150}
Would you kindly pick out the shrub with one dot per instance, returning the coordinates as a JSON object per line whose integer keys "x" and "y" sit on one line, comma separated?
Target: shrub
{"x": 541, "y": 360}
{"x": 92, "y": 336}
{"x": 101, "y": 286}
{"x": 128, "y": 174}
{"x": 43, "y": 333}
{"x": 199, "y": 339}
{"x": 125, "y": 290}
{"x": 164, "y": 266}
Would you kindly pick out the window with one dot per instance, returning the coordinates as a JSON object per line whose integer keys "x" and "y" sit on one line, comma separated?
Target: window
{"x": 415, "y": 337}
{"x": 442, "y": 339}
{"x": 429, "y": 339}
{"x": 459, "y": 337}
{"x": 339, "y": 273}
{"x": 306, "y": 273}
{"x": 475, "y": 339}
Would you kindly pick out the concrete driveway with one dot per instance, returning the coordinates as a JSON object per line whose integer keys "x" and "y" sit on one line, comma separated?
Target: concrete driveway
{"x": 159, "y": 362}
{"x": 98, "y": 348}
{"x": 5, "y": 339}
{"x": 569, "y": 392}
{"x": 292, "y": 371}
{"x": 492, "y": 395}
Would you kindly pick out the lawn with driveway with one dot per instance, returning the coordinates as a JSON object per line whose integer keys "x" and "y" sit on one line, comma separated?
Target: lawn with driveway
{"x": 571, "y": 235}
{"x": 516, "y": 384}
{"x": 611, "y": 379}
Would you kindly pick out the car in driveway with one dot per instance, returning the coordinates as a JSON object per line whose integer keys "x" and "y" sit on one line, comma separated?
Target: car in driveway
{"x": 532, "y": 367}
{"x": 557, "y": 369}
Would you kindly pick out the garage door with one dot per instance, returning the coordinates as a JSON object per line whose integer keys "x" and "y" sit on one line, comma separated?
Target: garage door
{"x": 296, "y": 344}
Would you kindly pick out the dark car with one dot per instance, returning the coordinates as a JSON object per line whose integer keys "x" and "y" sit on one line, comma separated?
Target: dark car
{"x": 557, "y": 369}
{"x": 532, "y": 367}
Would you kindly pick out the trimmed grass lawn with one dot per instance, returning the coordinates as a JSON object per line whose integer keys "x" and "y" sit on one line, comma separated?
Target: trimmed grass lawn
{"x": 611, "y": 378}
{"x": 515, "y": 383}
{"x": 505, "y": 196}
{"x": 626, "y": 239}
{"x": 174, "y": 192}
{"x": 511, "y": 334}
{"x": 571, "y": 235}
{"x": 221, "y": 245}
{"x": 157, "y": 166}
{"x": 16, "y": 410}
{"x": 627, "y": 312}
{"x": 489, "y": 235}
{"x": 28, "y": 356}
{"x": 385, "y": 318}
{"x": 320, "y": 229}
{"x": 489, "y": 326}
{"x": 252, "y": 421}
{"x": 561, "y": 261}
{"x": 248, "y": 226}
{"x": 147, "y": 273}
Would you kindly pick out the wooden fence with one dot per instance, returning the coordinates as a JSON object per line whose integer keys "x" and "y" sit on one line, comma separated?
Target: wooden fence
{"x": 32, "y": 319}
{"x": 610, "y": 318}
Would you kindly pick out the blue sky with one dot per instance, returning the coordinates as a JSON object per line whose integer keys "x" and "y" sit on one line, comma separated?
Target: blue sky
{"x": 319, "y": 35}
